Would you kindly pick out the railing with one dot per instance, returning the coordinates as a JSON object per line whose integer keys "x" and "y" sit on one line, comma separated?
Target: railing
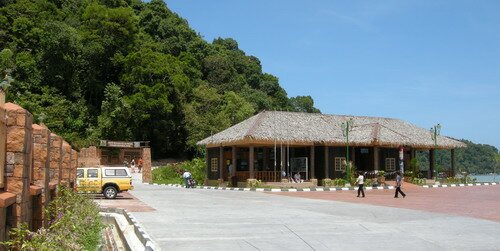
{"x": 266, "y": 176}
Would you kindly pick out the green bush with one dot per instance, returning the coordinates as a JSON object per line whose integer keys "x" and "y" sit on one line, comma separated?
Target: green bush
{"x": 418, "y": 181}
{"x": 368, "y": 182}
{"x": 172, "y": 173}
{"x": 334, "y": 183}
{"x": 74, "y": 224}
{"x": 339, "y": 182}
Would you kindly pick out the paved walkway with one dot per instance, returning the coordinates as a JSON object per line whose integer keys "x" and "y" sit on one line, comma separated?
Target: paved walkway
{"x": 196, "y": 219}
{"x": 477, "y": 201}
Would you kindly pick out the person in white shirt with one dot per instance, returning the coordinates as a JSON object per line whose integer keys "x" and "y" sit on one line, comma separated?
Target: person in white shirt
{"x": 187, "y": 176}
{"x": 361, "y": 181}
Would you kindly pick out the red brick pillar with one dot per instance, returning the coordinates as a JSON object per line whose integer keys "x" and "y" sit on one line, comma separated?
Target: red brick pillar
{"x": 74, "y": 166}
{"x": 18, "y": 161}
{"x": 55, "y": 157}
{"x": 65, "y": 163}
{"x": 41, "y": 174}
{"x": 146, "y": 165}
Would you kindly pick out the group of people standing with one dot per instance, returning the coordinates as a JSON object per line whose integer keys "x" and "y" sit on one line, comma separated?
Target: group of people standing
{"x": 361, "y": 183}
{"x": 132, "y": 165}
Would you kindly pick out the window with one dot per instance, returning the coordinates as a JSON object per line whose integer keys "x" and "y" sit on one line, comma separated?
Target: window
{"x": 115, "y": 172}
{"x": 92, "y": 173}
{"x": 390, "y": 164}
{"x": 340, "y": 164}
{"x": 79, "y": 173}
{"x": 214, "y": 164}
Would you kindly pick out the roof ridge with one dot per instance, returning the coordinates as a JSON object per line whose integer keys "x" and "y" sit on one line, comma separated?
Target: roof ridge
{"x": 257, "y": 121}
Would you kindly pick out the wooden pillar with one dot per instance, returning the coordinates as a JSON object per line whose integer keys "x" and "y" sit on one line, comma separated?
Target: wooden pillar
{"x": 313, "y": 159}
{"x": 327, "y": 155}
{"x": 376, "y": 161}
{"x": 221, "y": 163}
{"x": 353, "y": 155}
{"x": 46, "y": 190}
{"x": 453, "y": 162}
{"x": 251, "y": 158}
{"x": 283, "y": 160}
{"x": 233, "y": 161}
{"x": 207, "y": 160}
{"x": 431, "y": 164}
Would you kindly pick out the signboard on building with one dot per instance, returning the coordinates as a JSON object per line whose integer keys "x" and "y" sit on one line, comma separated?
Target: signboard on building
{"x": 123, "y": 144}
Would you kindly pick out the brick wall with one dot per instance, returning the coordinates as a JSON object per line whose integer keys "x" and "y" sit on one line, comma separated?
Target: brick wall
{"x": 55, "y": 157}
{"x": 89, "y": 156}
{"x": 33, "y": 157}
{"x": 18, "y": 162}
{"x": 146, "y": 165}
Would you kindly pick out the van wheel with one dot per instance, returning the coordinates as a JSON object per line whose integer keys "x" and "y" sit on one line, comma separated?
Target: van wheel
{"x": 110, "y": 192}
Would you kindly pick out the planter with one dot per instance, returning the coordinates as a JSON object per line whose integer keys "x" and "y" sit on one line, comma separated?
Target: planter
{"x": 381, "y": 180}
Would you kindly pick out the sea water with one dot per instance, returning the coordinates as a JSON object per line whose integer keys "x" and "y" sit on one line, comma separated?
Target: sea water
{"x": 487, "y": 177}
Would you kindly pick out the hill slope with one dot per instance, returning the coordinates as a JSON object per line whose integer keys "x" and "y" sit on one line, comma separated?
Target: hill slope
{"x": 129, "y": 70}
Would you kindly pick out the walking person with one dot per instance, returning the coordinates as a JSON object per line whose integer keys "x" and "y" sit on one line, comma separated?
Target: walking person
{"x": 398, "y": 185}
{"x": 361, "y": 183}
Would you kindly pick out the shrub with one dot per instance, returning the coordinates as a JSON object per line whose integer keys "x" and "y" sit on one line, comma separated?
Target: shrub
{"x": 339, "y": 182}
{"x": 172, "y": 173}
{"x": 418, "y": 181}
{"x": 334, "y": 183}
{"x": 74, "y": 224}
{"x": 254, "y": 183}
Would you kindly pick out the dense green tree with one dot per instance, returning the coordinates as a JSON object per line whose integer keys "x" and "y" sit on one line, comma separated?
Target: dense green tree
{"x": 475, "y": 158}
{"x": 303, "y": 104}
{"x": 129, "y": 70}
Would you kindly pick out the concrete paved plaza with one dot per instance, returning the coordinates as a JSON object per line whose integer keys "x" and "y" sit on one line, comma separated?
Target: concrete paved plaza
{"x": 196, "y": 219}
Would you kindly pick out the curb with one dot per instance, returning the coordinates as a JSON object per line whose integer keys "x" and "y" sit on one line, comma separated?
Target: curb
{"x": 278, "y": 190}
{"x": 145, "y": 239}
{"x": 462, "y": 185}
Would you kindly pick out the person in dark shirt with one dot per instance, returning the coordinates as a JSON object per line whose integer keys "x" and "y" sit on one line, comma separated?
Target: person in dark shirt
{"x": 398, "y": 185}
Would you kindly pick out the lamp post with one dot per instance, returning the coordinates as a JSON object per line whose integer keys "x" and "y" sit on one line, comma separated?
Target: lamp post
{"x": 435, "y": 132}
{"x": 346, "y": 128}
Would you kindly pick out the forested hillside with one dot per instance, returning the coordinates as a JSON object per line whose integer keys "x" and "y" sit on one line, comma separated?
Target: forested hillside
{"x": 475, "y": 158}
{"x": 129, "y": 70}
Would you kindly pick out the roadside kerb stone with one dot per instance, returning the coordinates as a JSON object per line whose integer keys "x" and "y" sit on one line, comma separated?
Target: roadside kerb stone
{"x": 278, "y": 190}
{"x": 145, "y": 239}
{"x": 461, "y": 185}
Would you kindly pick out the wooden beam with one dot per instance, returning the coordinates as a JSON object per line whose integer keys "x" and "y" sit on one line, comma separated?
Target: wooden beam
{"x": 313, "y": 159}
{"x": 221, "y": 162}
{"x": 283, "y": 160}
{"x": 431, "y": 164}
{"x": 376, "y": 159}
{"x": 327, "y": 155}
{"x": 233, "y": 149}
{"x": 251, "y": 158}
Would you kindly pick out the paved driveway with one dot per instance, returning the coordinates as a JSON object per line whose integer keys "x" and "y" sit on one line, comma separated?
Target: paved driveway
{"x": 195, "y": 219}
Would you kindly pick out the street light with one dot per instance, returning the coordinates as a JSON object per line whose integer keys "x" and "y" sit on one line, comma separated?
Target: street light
{"x": 346, "y": 128}
{"x": 435, "y": 132}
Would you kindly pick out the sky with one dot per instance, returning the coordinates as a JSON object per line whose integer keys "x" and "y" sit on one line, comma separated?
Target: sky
{"x": 426, "y": 62}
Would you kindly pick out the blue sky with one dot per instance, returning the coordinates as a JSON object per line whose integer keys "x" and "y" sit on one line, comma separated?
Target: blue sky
{"x": 425, "y": 62}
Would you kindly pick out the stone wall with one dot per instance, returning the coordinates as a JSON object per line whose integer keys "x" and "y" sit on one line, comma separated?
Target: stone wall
{"x": 89, "y": 156}
{"x": 146, "y": 165}
{"x": 35, "y": 162}
{"x": 18, "y": 160}
{"x": 65, "y": 164}
{"x": 40, "y": 154}
{"x": 55, "y": 158}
